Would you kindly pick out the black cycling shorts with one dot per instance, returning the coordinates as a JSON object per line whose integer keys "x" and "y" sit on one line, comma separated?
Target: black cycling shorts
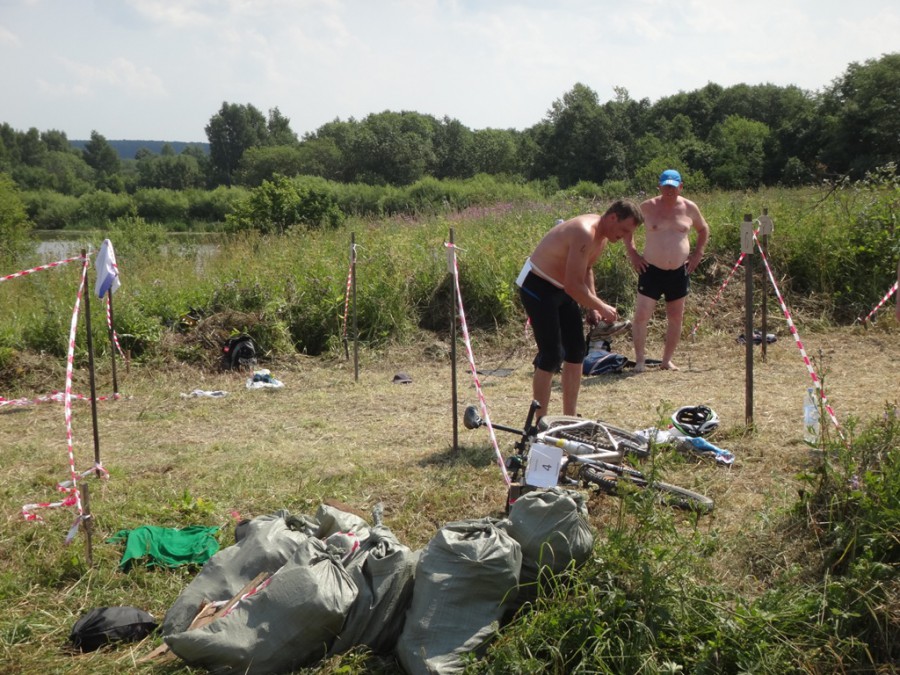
{"x": 556, "y": 322}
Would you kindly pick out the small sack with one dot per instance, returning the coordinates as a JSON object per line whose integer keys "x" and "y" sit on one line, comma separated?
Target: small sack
{"x": 239, "y": 352}
{"x": 103, "y": 625}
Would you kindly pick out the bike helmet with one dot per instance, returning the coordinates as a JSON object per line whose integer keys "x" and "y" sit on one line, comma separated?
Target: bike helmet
{"x": 695, "y": 420}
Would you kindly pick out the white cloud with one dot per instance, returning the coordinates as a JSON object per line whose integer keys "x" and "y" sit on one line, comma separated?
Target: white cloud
{"x": 496, "y": 63}
{"x": 7, "y": 37}
{"x": 120, "y": 75}
{"x": 180, "y": 14}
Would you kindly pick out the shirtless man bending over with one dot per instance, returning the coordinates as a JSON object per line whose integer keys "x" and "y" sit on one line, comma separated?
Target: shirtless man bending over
{"x": 556, "y": 279}
{"x": 666, "y": 265}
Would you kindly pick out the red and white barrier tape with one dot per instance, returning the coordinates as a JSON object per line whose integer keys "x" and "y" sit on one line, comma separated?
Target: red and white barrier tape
{"x": 74, "y": 495}
{"x": 886, "y": 297}
{"x": 109, "y": 325}
{"x": 787, "y": 315}
{"x": 53, "y": 397}
{"x": 347, "y": 292}
{"x": 719, "y": 294}
{"x": 39, "y": 268}
{"x": 468, "y": 343}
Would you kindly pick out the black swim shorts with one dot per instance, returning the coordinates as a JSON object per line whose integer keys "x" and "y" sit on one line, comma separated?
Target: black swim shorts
{"x": 656, "y": 282}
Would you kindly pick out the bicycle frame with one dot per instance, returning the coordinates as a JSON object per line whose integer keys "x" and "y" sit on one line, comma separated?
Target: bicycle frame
{"x": 580, "y": 462}
{"x": 581, "y": 452}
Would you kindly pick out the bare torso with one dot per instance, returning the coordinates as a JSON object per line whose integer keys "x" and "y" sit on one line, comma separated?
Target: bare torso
{"x": 552, "y": 252}
{"x": 667, "y": 224}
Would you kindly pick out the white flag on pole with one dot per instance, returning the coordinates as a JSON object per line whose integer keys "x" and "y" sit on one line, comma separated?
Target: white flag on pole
{"x": 107, "y": 271}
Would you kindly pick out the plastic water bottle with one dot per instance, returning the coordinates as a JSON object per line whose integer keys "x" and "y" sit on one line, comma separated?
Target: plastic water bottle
{"x": 810, "y": 416}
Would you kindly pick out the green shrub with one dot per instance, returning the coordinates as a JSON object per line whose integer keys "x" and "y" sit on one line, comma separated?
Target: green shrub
{"x": 280, "y": 204}
{"x": 15, "y": 229}
{"x": 162, "y": 205}
{"x": 97, "y": 208}
{"x": 51, "y": 210}
{"x": 214, "y": 205}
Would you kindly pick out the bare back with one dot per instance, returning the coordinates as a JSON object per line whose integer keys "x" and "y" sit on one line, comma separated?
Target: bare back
{"x": 667, "y": 225}
{"x": 552, "y": 254}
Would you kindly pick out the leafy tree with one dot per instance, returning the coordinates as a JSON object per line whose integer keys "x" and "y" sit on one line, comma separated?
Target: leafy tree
{"x": 573, "y": 137}
{"x": 495, "y": 151}
{"x": 101, "y": 156}
{"x": 626, "y": 120}
{"x": 15, "y": 229}
{"x": 69, "y": 173}
{"x": 230, "y": 132}
{"x": 9, "y": 150}
{"x": 31, "y": 149}
{"x": 56, "y": 141}
{"x": 334, "y": 141}
{"x": 279, "y": 130}
{"x": 740, "y": 152}
{"x": 259, "y": 164}
{"x": 699, "y": 106}
{"x": 168, "y": 170}
{"x": 321, "y": 157}
{"x": 394, "y": 148}
{"x": 860, "y": 110}
{"x": 453, "y": 150}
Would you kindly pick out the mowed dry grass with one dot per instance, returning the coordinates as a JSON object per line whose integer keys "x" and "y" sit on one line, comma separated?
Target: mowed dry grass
{"x": 323, "y": 425}
{"x": 325, "y": 435}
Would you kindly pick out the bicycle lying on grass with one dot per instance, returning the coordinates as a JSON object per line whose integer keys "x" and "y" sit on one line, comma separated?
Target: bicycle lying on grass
{"x": 593, "y": 454}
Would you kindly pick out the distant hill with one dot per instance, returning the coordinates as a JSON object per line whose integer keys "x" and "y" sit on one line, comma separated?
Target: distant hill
{"x": 128, "y": 149}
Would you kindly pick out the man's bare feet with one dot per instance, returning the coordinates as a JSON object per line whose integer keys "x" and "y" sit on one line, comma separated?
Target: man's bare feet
{"x": 640, "y": 367}
{"x": 668, "y": 365}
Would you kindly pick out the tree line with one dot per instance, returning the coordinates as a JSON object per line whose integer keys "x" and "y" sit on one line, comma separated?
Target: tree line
{"x": 738, "y": 137}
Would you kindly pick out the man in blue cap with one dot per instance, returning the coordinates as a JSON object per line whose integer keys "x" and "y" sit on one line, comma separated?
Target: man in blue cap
{"x": 666, "y": 264}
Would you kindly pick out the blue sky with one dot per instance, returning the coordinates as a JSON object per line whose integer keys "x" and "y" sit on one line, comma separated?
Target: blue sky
{"x": 159, "y": 69}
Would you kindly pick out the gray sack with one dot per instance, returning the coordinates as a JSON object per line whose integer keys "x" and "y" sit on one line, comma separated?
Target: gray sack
{"x": 267, "y": 542}
{"x": 266, "y": 545}
{"x": 288, "y": 623}
{"x": 552, "y": 527}
{"x": 383, "y": 572}
{"x": 465, "y": 577}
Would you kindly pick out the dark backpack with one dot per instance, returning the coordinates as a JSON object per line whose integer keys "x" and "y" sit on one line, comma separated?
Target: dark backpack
{"x": 103, "y": 625}
{"x": 239, "y": 352}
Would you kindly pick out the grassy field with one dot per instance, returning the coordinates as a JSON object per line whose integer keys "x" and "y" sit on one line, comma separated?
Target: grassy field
{"x": 796, "y": 570}
{"x": 176, "y": 461}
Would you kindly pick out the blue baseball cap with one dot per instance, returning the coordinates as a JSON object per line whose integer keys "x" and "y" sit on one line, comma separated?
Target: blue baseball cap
{"x": 670, "y": 177}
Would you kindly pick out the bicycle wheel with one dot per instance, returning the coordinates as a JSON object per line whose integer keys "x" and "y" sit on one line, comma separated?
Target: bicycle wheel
{"x": 592, "y": 433}
{"x": 671, "y": 495}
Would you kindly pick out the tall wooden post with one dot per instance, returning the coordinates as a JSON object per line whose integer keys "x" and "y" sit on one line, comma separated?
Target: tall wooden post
{"x": 765, "y": 229}
{"x": 353, "y": 296}
{"x": 451, "y": 260}
{"x": 747, "y": 248}
{"x": 90, "y": 349}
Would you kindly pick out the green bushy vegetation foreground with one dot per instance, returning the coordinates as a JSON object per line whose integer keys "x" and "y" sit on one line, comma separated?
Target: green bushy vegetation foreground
{"x": 649, "y": 601}
{"x": 834, "y": 252}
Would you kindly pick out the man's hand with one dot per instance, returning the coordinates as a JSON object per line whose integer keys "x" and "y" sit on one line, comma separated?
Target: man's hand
{"x": 593, "y": 317}
{"x": 637, "y": 262}
{"x": 608, "y": 313}
{"x": 693, "y": 261}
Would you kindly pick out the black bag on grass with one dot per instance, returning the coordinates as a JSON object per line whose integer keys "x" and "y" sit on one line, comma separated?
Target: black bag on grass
{"x": 103, "y": 625}
{"x": 238, "y": 352}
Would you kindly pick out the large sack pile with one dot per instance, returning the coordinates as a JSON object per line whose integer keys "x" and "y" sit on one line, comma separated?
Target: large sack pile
{"x": 335, "y": 583}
